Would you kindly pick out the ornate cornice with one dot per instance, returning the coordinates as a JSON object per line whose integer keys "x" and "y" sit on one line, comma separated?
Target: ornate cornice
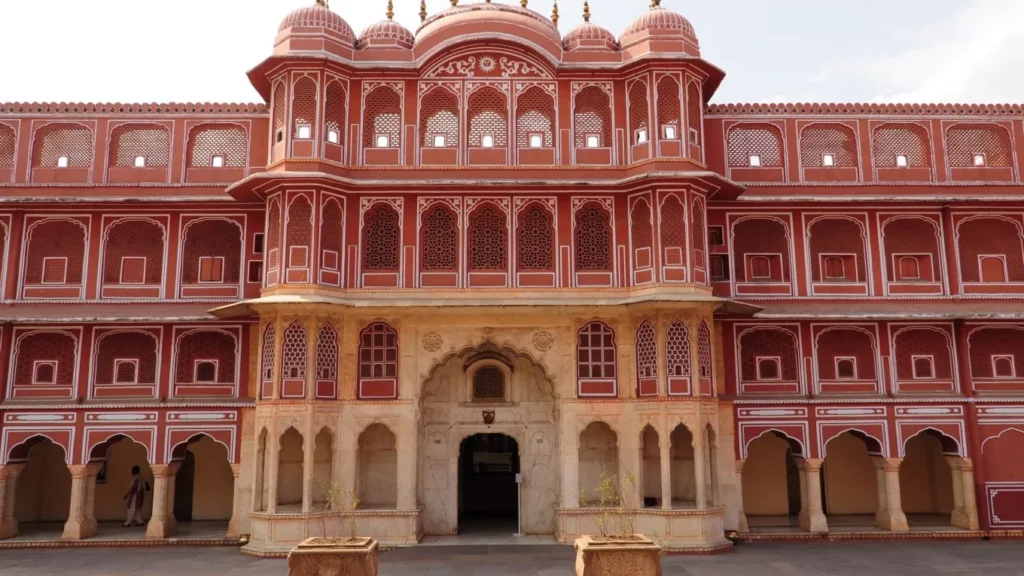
{"x": 801, "y": 108}
{"x": 77, "y": 108}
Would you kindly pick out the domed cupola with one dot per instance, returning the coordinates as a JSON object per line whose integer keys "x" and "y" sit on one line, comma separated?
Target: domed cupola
{"x": 386, "y": 33}
{"x": 589, "y": 36}
{"x": 314, "y": 28}
{"x": 665, "y": 30}
{"x": 487, "y": 20}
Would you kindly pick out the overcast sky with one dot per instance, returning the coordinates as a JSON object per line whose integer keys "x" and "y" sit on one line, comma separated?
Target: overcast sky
{"x": 771, "y": 50}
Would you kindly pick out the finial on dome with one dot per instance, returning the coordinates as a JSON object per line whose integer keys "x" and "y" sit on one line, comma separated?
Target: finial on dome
{"x": 554, "y": 14}
{"x": 655, "y": 4}
{"x": 391, "y": 10}
{"x": 323, "y": 3}
{"x": 455, "y": 3}
{"x": 586, "y": 11}
{"x": 523, "y": 3}
{"x": 423, "y": 11}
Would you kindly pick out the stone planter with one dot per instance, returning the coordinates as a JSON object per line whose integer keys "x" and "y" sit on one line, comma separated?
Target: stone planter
{"x": 334, "y": 557}
{"x": 634, "y": 555}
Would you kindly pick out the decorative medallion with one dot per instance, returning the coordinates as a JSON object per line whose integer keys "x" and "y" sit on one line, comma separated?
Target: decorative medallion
{"x": 488, "y": 416}
{"x": 542, "y": 341}
{"x": 432, "y": 342}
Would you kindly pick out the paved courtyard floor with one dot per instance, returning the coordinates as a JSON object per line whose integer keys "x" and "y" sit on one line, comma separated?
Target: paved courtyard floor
{"x": 767, "y": 559}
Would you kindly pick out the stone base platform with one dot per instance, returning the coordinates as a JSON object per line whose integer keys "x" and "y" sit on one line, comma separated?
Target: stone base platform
{"x": 115, "y": 535}
{"x": 273, "y": 535}
{"x": 677, "y": 531}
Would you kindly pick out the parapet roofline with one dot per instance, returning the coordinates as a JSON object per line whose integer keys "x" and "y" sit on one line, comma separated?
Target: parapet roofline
{"x": 834, "y": 109}
{"x": 133, "y": 108}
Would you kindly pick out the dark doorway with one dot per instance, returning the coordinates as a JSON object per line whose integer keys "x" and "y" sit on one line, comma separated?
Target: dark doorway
{"x": 488, "y": 495}
{"x": 183, "y": 483}
{"x": 792, "y": 483}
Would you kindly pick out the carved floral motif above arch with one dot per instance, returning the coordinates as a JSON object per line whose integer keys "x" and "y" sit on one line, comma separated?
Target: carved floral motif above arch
{"x": 489, "y": 64}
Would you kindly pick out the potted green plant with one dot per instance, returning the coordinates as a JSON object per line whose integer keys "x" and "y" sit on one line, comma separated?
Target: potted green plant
{"x": 617, "y": 550}
{"x": 332, "y": 553}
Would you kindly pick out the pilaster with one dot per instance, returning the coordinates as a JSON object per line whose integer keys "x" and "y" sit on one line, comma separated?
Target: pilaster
{"x": 665, "y": 459}
{"x": 890, "y": 514}
{"x": 233, "y": 528}
{"x": 811, "y": 518}
{"x": 162, "y": 523}
{"x": 699, "y": 459}
{"x": 8, "y": 486}
{"x": 743, "y": 526}
{"x": 79, "y": 524}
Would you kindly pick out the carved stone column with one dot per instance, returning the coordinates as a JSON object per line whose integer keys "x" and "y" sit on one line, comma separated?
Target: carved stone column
{"x": 273, "y": 458}
{"x": 665, "y": 458}
{"x": 965, "y": 507}
{"x": 811, "y": 518}
{"x": 233, "y": 530}
{"x": 162, "y": 523}
{"x": 699, "y": 466}
{"x": 8, "y": 485}
{"x": 407, "y": 465}
{"x": 743, "y": 526}
{"x": 693, "y": 328}
{"x": 279, "y": 327}
{"x": 890, "y": 510}
{"x": 308, "y": 466}
{"x": 79, "y": 524}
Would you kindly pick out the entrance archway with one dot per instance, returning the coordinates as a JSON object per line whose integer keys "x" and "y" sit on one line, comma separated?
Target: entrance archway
{"x": 488, "y": 501}
{"x": 772, "y": 497}
{"x": 43, "y": 489}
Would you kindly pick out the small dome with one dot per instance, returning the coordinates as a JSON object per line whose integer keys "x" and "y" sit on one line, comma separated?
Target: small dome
{"x": 386, "y": 33}
{"x": 589, "y": 36}
{"x": 662, "y": 23}
{"x": 318, "y": 16}
{"x": 484, "y": 11}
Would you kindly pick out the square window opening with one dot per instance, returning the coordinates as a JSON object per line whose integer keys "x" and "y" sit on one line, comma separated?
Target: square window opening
{"x": 126, "y": 371}
{"x": 755, "y": 161}
{"x": 333, "y": 136}
{"x": 217, "y": 161}
{"x": 716, "y": 236}
{"x": 140, "y": 161}
{"x": 205, "y": 371}
{"x": 902, "y": 161}
{"x": 641, "y": 136}
{"x": 1003, "y": 366}
{"x": 536, "y": 141}
{"x": 63, "y": 162}
{"x": 304, "y": 132}
{"x": 257, "y": 243}
{"x": 593, "y": 141}
{"x": 487, "y": 141}
{"x": 694, "y": 136}
{"x": 383, "y": 141}
{"x": 670, "y": 132}
{"x": 211, "y": 269}
{"x": 924, "y": 367}
{"x": 719, "y": 267}
{"x": 255, "y": 275}
{"x": 279, "y": 137}
{"x": 979, "y": 160}
{"x": 846, "y": 368}
{"x": 828, "y": 160}
{"x": 44, "y": 372}
{"x": 439, "y": 141}
{"x": 769, "y": 369}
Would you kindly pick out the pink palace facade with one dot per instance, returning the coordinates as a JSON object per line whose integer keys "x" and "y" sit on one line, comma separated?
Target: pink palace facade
{"x": 429, "y": 260}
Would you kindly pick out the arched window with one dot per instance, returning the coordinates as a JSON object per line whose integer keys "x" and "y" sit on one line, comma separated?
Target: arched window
{"x": 694, "y": 107}
{"x": 828, "y": 146}
{"x": 535, "y": 239}
{"x": 382, "y": 119}
{"x": 596, "y": 360}
{"x": 835, "y": 268}
{"x": 642, "y": 234}
{"x": 978, "y": 145}
{"x": 488, "y": 239}
{"x": 378, "y": 361}
{"x": 8, "y": 139}
{"x": 211, "y": 252}
{"x": 140, "y": 146}
{"x": 381, "y": 241}
{"x": 62, "y": 146}
{"x": 677, "y": 350}
{"x": 901, "y": 146}
{"x": 639, "y": 113}
{"x": 439, "y": 238}
{"x": 304, "y": 105}
{"x": 55, "y": 252}
{"x": 924, "y": 367}
{"x": 280, "y": 105}
{"x": 327, "y": 362}
{"x": 133, "y": 253}
{"x": 535, "y": 119}
{"x": 331, "y": 241}
{"x": 293, "y": 357}
{"x": 217, "y": 146}
{"x": 846, "y": 368}
{"x": 489, "y": 385}
{"x": 335, "y": 113}
{"x": 910, "y": 268}
{"x": 760, "y": 268}
{"x": 299, "y": 230}
{"x": 593, "y": 238}
{"x": 273, "y": 240}
{"x": 439, "y": 119}
{"x": 592, "y": 122}
{"x": 488, "y": 119}
{"x": 205, "y": 357}
{"x": 646, "y": 360}
{"x": 768, "y": 369}
{"x": 755, "y": 146}
{"x": 704, "y": 350}
{"x": 669, "y": 108}
{"x": 267, "y": 361}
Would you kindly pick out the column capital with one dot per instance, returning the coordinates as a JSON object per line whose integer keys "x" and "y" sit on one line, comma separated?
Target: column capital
{"x": 887, "y": 464}
{"x": 164, "y": 470}
{"x": 11, "y": 470}
{"x": 236, "y": 469}
{"x": 810, "y": 464}
{"x": 739, "y": 465}
{"x": 83, "y": 470}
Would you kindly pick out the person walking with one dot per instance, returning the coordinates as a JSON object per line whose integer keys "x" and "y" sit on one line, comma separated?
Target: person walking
{"x": 134, "y": 498}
